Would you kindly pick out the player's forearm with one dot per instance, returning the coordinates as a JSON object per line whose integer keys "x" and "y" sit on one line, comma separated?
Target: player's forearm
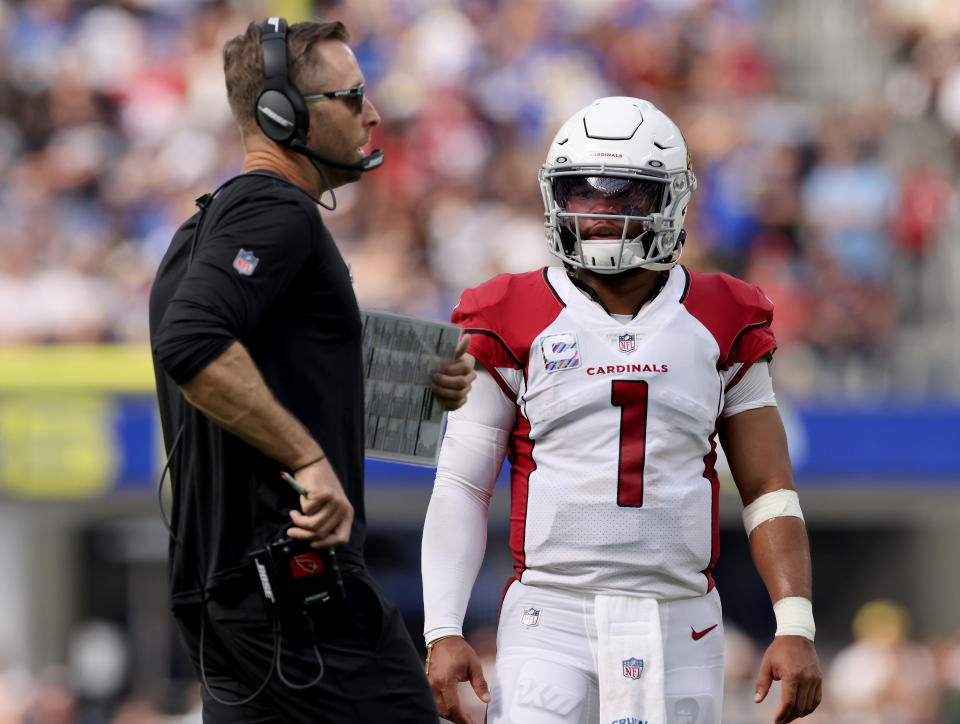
{"x": 454, "y": 541}
{"x": 455, "y": 530}
{"x": 781, "y": 553}
{"x": 231, "y": 392}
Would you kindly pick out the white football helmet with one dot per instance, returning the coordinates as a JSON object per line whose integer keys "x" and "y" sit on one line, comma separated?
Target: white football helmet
{"x": 627, "y": 153}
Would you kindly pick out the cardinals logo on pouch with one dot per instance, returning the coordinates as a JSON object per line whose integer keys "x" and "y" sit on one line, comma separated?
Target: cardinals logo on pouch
{"x": 306, "y": 564}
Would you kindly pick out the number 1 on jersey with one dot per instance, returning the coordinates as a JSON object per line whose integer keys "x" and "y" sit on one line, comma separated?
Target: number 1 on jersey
{"x": 631, "y": 397}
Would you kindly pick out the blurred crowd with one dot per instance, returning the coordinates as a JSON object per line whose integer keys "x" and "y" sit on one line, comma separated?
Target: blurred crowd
{"x": 835, "y": 191}
{"x": 882, "y": 675}
{"x": 838, "y": 198}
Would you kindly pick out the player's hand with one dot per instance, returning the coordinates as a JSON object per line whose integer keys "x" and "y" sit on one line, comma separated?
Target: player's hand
{"x": 791, "y": 660}
{"x": 325, "y": 514}
{"x": 451, "y": 383}
{"x": 453, "y": 660}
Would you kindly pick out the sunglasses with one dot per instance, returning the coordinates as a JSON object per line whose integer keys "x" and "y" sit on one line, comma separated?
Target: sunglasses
{"x": 351, "y": 95}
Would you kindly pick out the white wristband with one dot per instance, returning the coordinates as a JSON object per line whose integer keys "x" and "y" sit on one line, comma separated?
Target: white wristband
{"x": 794, "y": 617}
{"x": 771, "y": 505}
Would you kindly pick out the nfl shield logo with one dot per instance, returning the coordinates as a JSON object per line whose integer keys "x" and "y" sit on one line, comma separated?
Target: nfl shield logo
{"x": 530, "y": 617}
{"x": 628, "y": 342}
{"x": 245, "y": 262}
{"x": 633, "y": 668}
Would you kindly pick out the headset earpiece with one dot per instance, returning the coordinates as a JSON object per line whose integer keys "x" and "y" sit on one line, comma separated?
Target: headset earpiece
{"x": 280, "y": 109}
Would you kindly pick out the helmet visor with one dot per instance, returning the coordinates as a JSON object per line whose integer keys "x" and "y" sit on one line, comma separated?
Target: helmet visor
{"x": 608, "y": 194}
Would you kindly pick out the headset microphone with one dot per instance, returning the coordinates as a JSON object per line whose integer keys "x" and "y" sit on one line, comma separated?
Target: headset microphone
{"x": 374, "y": 160}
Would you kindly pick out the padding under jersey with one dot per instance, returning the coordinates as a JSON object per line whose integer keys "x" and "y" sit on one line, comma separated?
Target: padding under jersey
{"x": 612, "y": 454}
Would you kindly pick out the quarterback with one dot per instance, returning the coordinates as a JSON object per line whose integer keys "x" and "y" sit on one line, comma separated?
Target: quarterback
{"x": 608, "y": 382}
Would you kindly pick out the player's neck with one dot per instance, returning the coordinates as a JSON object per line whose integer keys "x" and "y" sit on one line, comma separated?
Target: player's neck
{"x": 622, "y": 293}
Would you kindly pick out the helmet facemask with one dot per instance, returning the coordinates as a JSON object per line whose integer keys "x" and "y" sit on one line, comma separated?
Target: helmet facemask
{"x": 615, "y": 220}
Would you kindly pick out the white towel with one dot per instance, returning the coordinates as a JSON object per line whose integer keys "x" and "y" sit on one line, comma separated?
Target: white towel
{"x": 630, "y": 659}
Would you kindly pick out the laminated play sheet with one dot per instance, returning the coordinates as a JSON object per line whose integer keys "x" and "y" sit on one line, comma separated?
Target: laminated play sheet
{"x": 400, "y": 354}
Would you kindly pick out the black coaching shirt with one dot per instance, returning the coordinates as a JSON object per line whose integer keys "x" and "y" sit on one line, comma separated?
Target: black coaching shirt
{"x": 265, "y": 271}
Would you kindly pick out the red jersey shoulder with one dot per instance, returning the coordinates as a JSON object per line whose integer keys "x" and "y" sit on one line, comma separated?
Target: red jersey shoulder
{"x": 738, "y": 315}
{"x": 508, "y": 312}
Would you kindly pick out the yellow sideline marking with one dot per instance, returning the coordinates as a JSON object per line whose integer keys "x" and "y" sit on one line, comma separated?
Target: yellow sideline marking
{"x": 90, "y": 367}
{"x": 57, "y": 445}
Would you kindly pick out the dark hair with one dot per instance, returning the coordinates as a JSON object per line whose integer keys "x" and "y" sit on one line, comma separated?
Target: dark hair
{"x": 243, "y": 62}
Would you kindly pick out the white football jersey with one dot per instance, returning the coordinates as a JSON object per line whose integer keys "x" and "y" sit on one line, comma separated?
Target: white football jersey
{"x": 612, "y": 483}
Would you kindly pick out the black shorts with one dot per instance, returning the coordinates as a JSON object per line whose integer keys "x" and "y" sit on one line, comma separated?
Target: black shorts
{"x": 372, "y": 672}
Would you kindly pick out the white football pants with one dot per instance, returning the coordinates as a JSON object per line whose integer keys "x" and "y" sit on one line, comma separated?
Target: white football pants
{"x": 546, "y": 670}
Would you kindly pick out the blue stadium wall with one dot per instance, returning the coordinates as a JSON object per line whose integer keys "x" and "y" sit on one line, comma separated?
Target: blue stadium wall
{"x": 81, "y": 422}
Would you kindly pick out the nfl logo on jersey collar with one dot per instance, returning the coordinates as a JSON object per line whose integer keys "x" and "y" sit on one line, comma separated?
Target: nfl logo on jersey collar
{"x": 530, "y": 617}
{"x": 633, "y": 668}
{"x": 245, "y": 262}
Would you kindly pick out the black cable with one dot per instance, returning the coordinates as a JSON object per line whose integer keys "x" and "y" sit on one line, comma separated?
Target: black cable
{"x": 326, "y": 182}
{"x": 203, "y": 599}
{"x": 204, "y": 202}
{"x": 263, "y": 684}
{"x": 316, "y": 680}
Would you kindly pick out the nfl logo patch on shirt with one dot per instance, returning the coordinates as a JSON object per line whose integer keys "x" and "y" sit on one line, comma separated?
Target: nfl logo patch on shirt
{"x": 633, "y": 668}
{"x": 245, "y": 262}
{"x": 560, "y": 351}
{"x": 628, "y": 342}
{"x": 530, "y": 617}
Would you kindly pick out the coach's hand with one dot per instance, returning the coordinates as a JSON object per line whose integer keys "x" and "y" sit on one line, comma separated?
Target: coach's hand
{"x": 451, "y": 383}
{"x": 791, "y": 660}
{"x": 451, "y": 661}
{"x": 325, "y": 514}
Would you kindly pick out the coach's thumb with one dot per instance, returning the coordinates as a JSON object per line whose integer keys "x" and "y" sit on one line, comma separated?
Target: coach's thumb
{"x": 763, "y": 684}
{"x": 463, "y": 344}
{"x": 479, "y": 685}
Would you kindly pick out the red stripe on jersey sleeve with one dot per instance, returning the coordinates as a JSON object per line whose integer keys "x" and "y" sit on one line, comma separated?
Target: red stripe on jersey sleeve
{"x": 739, "y": 375}
{"x": 736, "y": 313}
{"x": 521, "y": 465}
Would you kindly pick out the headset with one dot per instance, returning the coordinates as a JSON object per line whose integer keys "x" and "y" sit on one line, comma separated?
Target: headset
{"x": 280, "y": 109}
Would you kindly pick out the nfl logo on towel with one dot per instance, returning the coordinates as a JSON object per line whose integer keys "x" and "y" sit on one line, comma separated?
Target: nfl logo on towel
{"x": 633, "y": 668}
{"x": 530, "y": 617}
{"x": 628, "y": 342}
{"x": 245, "y": 262}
